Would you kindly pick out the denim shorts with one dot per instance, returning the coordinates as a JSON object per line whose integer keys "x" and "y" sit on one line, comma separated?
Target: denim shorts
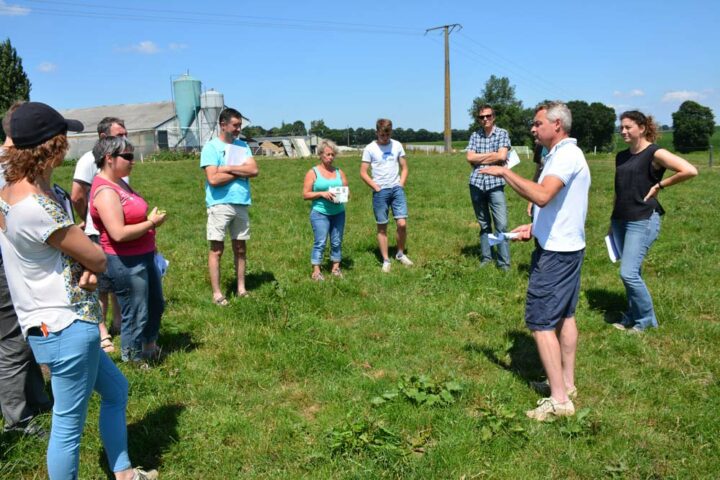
{"x": 103, "y": 282}
{"x": 553, "y": 288}
{"x": 387, "y": 198}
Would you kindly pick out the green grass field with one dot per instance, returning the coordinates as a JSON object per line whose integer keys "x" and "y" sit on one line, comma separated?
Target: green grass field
{"x": 283, "y": 384}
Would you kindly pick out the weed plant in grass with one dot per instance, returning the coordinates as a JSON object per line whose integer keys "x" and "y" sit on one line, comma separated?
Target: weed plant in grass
{"x": 280, "y": 384}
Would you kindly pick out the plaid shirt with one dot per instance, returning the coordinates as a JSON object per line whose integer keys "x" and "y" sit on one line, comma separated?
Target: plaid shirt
{"x": 480, "y": 143}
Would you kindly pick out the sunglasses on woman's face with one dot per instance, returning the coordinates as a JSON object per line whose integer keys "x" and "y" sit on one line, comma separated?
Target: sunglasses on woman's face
{"x": 127, "y": 156}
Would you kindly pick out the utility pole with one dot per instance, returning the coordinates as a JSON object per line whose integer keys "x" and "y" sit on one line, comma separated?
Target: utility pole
{"x": 448, "y": 131}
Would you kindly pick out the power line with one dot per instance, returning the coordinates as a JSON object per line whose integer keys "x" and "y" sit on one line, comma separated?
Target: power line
{"x": 518, "y": 77}
{"x": 534, "y": 75}
{"x": 204, "y": 18}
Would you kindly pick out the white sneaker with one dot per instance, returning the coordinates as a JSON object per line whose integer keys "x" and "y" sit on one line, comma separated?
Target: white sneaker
{"x": 139, "y": 474}
{"x": 404, "y": 260}
{"x": 548, "y": 408}
{"x": 386, "y": 266}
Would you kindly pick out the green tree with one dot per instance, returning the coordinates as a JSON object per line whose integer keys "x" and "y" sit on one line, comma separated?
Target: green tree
{"x": 592, "y": 125}
{"x": 14, "y": 83}
{"x": 509, "y": 111}
{"x": 254, "y": 131}
{"x": 318, "y": 127}
{"x": 581, "y": 123}
{"x": 602, "y": 126}
{"x": 298, "y": 128}
{"x": 693, "y": 125}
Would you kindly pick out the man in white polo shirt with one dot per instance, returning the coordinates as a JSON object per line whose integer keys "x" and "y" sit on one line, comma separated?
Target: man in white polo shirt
{"x": 560, "y": 201}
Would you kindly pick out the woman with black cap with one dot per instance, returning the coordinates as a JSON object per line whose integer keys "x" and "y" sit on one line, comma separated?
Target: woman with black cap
{"x": 51, "y": 267}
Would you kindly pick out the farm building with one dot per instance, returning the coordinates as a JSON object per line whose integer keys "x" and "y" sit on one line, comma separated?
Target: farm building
{"x": 186, "y": 123}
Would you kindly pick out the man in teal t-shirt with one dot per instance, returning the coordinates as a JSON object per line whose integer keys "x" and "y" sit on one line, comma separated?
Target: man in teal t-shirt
{"x": 228, "y": 165}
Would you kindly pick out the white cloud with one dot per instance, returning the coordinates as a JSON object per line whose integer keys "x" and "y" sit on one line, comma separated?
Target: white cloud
{"x": 148, "y": 47}
{"x": 12, "y": 10}
{"x": 681, "y": 96}
{"x": 636, "y": 92}
{"x": 145, "y": 47}
{"x": 47, "y": 67}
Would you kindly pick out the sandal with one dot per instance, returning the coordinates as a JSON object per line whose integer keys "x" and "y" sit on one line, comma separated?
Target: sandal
{"x": 106, "y": 344}
{"x": 243, "y": 294}
{"x": 318, "y": 277}
{"x": 220, "y": 302}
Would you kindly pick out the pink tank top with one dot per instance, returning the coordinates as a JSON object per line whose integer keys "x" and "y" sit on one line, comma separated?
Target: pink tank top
{"x": 134, "y": 211}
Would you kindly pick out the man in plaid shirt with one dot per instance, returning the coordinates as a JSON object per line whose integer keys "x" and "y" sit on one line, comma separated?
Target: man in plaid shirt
{"x": 489, "y": 146}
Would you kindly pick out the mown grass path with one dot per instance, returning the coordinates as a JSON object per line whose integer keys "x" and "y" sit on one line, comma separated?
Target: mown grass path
{"x": 279, "y": 385}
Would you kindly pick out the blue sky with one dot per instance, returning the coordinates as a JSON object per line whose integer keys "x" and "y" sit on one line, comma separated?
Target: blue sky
{"x": 352, "y": 62}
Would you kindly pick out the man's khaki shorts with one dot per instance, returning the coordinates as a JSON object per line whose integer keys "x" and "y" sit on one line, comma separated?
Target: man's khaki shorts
{"x": 230, "y": 217}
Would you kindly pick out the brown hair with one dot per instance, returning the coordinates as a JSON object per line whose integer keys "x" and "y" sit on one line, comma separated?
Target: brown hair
{"x": 30, "y": 163}
{"x": 8, "y": 115}
{"x": 642, "y": 120}
{"x": 485, "y": 107}
{"x": 383, "y": 124}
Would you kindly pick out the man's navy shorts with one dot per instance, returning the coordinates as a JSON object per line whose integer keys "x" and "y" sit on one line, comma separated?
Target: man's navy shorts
{"x": 553, "y": 288}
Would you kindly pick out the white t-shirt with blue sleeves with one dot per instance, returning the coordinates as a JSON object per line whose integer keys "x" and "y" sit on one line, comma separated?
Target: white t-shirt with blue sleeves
{"x": 236, "y": 192}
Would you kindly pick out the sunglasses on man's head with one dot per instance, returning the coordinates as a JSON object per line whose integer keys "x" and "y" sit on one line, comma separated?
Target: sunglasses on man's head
{"x": 127, "y": 156}
{"x": 484, "y": 117}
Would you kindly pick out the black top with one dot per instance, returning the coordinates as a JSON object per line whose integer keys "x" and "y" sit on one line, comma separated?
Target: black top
{"x": 634, "y": 176}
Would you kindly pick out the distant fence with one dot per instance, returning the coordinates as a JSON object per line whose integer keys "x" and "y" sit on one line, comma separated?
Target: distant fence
{"x": 425, "y": 148}
{"x": 521, "y": 150}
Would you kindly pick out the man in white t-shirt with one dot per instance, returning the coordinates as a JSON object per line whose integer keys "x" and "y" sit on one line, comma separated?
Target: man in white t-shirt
{"x": 386, "y": 158}
{"x": 560, "y": 201}
{"x": 85, "y": 171}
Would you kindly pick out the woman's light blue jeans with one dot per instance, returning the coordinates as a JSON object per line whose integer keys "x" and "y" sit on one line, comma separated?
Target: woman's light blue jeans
{"x": 634, "y": 239}
{"x": 137, "y": 284}
{"x": 77, "y": 367}
{"x": 322, "y": 225}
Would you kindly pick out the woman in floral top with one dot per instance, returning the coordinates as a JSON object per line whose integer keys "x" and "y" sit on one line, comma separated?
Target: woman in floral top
{"x": 51, "y": 267}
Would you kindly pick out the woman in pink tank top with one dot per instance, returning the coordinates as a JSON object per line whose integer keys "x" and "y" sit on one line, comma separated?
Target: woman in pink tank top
{"x": 127, "y": 236}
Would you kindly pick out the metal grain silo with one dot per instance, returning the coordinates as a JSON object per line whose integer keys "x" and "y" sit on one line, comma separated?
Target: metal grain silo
{"x": 212, "y": 103}
{"x": 187, "y": 100}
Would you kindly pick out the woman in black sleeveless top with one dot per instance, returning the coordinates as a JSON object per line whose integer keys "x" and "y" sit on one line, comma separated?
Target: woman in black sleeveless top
{"x": 636, "y": 214}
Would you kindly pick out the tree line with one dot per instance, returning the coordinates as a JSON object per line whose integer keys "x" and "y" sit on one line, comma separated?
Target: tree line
{"x": 349, "y": 135}
{"x": 593, "y": 123}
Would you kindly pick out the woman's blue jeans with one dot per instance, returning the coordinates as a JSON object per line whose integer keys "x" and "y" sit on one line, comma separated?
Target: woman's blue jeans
{"x": 77, "y": 367}
{"x": 634, "y": 239}
{"x": 324, "y": 225}
{"x": 137, "y": 284}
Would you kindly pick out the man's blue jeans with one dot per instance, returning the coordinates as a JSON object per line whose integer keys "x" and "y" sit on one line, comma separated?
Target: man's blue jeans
{"x": 633, "y": 239}
{"x": 77, "y": 367}
{"x": 137, "y": 284}
{"x": 490, "y": 205}
{"x": 322, "y": 225}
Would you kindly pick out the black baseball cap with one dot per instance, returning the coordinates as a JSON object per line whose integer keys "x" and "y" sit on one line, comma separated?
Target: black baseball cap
{"x": 34, "y": 123}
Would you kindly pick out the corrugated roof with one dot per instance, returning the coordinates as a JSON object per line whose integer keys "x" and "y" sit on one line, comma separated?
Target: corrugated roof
{"x": 137, "y": 116}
